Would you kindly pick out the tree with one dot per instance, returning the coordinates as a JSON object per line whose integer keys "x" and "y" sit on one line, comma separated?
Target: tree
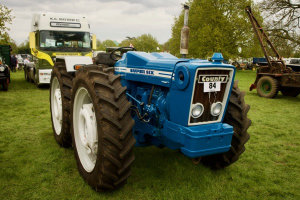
{"x": 6, "y": 40}
{"x": 5, "y": 18}
{"x": 99, "y": 47}
{"x": 284, "y": 19}
{"x": 126, "y": 42}
{"x": 217, "y": 26}
{"x": 166, "y": 46}
{"x": 145, "y": 42}
{"x": 23, "y": 48}
{"x": 106, "y": 43}
{"x": 283, "y": 25}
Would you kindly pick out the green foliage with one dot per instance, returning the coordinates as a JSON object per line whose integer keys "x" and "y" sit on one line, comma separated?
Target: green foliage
{"x": 217, "y": 26}
{"x": 125, "y": 43}
{"x": 106, "y": 43}
{"x": 166, "y": 46}
{"x": 33, "y": 166}
{"x": 6, "y": 40}
{"x": 23, "y": 48}
{"x": 283, "y": 25}
{"x": 5, "y": 18}
{"x": 283, "y": 18}
{"x": 145, "y": 42}
{"x": 297, "y": 54}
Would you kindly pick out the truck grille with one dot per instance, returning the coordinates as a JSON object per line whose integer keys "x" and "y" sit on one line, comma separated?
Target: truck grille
{"x": 208, "y": 98}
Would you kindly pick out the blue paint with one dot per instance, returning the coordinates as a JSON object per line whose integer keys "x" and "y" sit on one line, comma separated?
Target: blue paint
{"x": 217, "y": 57}
{"x": 165, "y": 118}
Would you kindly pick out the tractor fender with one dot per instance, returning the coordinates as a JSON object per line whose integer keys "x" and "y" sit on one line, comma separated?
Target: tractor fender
{"x": 70, "y": 61}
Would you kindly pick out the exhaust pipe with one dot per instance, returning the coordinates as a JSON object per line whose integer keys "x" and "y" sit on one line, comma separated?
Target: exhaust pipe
{"x": 185, "y": 31}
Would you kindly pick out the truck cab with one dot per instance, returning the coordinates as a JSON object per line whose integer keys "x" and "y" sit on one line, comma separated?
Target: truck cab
{"x": 55, "y": 35}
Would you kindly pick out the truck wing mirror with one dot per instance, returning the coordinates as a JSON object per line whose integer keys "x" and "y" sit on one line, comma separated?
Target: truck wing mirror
{"x": 32, "y": 40}
{"x": 94, "y": 42}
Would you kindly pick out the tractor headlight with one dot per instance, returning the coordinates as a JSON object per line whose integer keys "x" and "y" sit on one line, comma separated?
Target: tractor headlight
{"x": 2, "y": 68}
{"x": 216, "y": 109}
{"x": 197, "y": 110}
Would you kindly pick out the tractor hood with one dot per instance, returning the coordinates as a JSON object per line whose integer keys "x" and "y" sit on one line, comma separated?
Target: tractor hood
{"x": 152, "y": 68}
{"x": 163, "y": 68}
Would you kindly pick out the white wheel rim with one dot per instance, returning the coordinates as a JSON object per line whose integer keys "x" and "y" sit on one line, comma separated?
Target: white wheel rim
{"x": 85, "y": 129}
{"x": 56, "y": 106}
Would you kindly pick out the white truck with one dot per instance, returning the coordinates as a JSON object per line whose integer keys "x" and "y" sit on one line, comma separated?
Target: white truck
{"x": 57, "y": 36}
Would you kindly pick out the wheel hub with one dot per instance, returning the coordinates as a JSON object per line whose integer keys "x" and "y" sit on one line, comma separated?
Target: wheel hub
{"x": 266, "y": 87}
{"x": 58, "y": 105}
{"x": 85, "y": 129}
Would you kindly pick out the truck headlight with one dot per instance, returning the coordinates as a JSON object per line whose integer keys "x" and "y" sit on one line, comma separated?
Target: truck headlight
{"x": 197, "y": 110}
{"x": 2, "y": 68}
{"x": 216, "y": 109}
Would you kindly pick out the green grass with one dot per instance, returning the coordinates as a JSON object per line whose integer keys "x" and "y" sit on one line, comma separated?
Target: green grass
{"x": 33, "y": 166}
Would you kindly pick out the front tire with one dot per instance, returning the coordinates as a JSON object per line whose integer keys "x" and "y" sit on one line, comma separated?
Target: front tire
{"x": 236, "y": 116}
{"x": 101, "y": 128}
{"x": 60, "y": 102}
{"x": 267, "y": 87}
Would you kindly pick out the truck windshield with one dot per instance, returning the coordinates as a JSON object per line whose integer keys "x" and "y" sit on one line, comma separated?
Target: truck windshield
{"x": 65, "y": 41}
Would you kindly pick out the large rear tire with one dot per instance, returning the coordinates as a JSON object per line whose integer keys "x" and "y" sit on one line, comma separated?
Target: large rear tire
{"x": 267, "y": 87}
{"x": 290, "y": 91}
{"x": 236, "y": 116}
{"x": 101, "y": 128}
{"x": 60, "y": 104}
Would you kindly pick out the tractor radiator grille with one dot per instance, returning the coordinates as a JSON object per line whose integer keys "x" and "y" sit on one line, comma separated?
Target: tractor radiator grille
{"x": 208, "y": 98}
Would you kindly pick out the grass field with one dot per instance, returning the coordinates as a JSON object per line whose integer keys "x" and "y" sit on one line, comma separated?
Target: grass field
{"x": 33, "y": 166}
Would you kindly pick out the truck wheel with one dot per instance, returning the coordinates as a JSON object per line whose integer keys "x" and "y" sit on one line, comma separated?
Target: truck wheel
{"x": 267, "y": 87}
{"x": 101, "y": 128}
{"x": 5, "y": 84}
{"x": 236, "y": 116}
{"x": 32, "y": 75}
{"x": 290, "y": 91}
{"x": 26, "y": 75}
{"x": 36, "y": 79}
{"x": 60, "y": 102}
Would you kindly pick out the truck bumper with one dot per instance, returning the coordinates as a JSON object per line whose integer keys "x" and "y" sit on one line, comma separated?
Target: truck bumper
{"x": 196, "y": 141}
{"x": 44, "y": 76}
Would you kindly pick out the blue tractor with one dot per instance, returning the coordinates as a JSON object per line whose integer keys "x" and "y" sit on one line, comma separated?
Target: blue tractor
{"x": 145, "y": 99}
{"x": 129, "y": 98}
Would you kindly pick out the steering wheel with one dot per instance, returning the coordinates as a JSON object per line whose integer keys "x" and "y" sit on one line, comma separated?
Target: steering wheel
{"x": 122, "y": 50}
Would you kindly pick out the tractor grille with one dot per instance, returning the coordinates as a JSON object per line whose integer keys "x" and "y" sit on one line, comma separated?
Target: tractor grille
{"x": 208, "y": 98}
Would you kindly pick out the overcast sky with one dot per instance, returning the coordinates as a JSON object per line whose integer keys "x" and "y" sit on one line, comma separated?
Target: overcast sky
{"x": 109, "y": 19}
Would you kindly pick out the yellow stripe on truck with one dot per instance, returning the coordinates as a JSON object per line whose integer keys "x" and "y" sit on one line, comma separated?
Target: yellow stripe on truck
{"x": 42, "y": 55}
{"x": 90, "y": 54}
